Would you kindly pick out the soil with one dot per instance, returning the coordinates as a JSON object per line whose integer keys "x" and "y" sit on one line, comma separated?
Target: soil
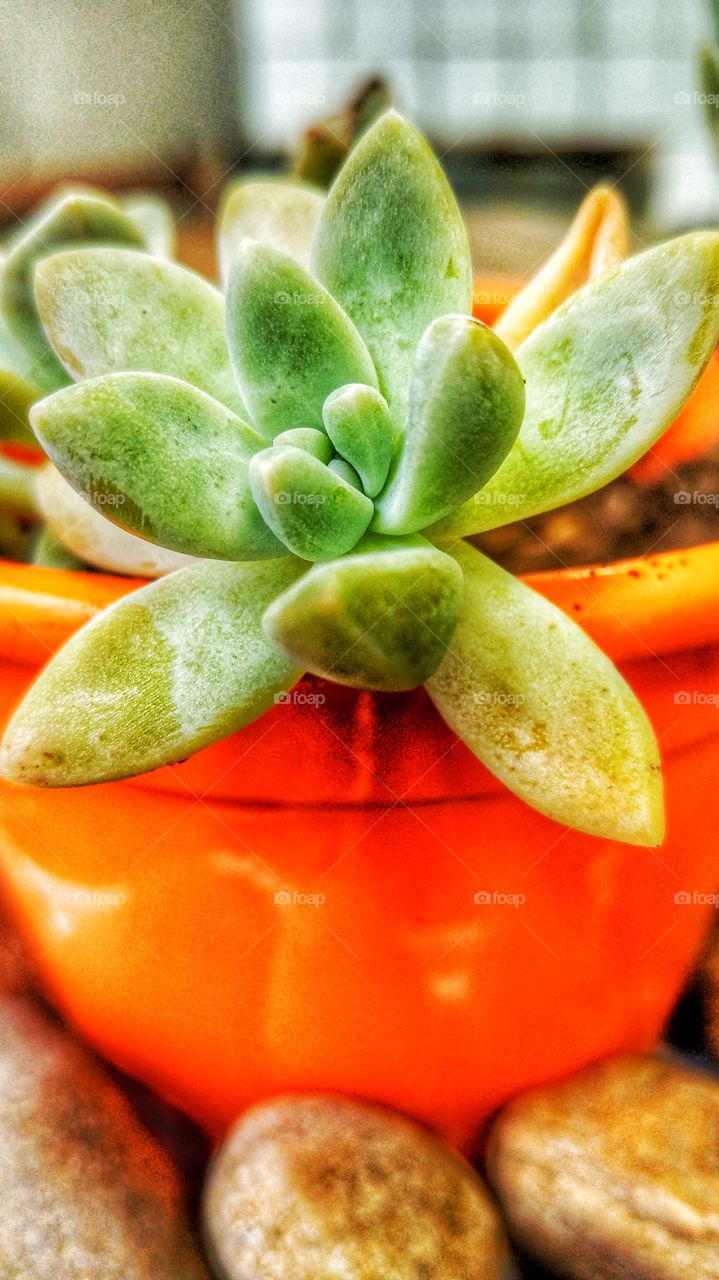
{"x": 622, "y": 520}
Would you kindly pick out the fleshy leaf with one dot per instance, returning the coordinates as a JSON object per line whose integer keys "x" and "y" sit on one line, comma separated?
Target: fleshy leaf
{"x": 357, "y": 421}
{"x": 314, "y": 511}
{"x": 77, "y": 217}
{"x": 73, "y": 523}
{"x": 162, "y": 673}
{"x": 290, "y": 342}
{"x": 48, "y": 553}
{"x": 315, "y": 442}
{"x": 465, "y": 409}
{"x": 274, "y": 211}
{"x": 113, "y": 310}
{"x": 153, "y": 217}
{"x": 379, "y": 618}
{"x": 392, "y": 199}
{"x": 160, "y": 458}
{"x": 605, "y": 375}
{"x": 18, "y": 390}
{"x": 543, "y": 708}
{"x": 596, "y": 240}
{"x": 346, "y": 472}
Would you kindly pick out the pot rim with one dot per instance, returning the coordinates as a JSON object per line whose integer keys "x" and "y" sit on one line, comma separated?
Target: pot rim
{"x": 641, "y": 607}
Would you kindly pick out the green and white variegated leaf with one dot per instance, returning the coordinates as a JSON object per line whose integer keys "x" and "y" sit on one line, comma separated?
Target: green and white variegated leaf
{"x": 358, "y": 422}
{"x": 391, "y": 247}
{"x": 275, "y": 211}
{"x": 159, "y": 458}
{"x": 466, "y": 403}
{"x": 73, "y": 524}
{"x": 290, "y": 342}
{"x": 112, "y": 310}
{"x": 315, "y": 512}
{"x": 379, "y": 618}
{"x": 159, "y": 675}
{"x": 543, "y": 708}
{"x": 605, "y": 374}
{"x": 72, "y": 219}
{"x": 19, "y": 388}
{"x": 153, "y": 216}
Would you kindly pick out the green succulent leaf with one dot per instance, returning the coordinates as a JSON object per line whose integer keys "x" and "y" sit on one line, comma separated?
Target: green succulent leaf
{"x": 315, "y": 442}
{"x": 73, "y": 218}
{"x": 114, "y": 310}
{"x": 273, "y": 211}
{"x": 18, "y": 389}
{"x": 314, "y": 511}
{"x": 605, "y": 374}
{"x": 465, "y": 408}
{"x": 84, "y": 533}
{"x": 290, "y": 342}
{"x": 159, "y": 458}
{"x": 357, "y": 421}
{"x": 543, "y": 708}
{"x": 346, "y": 472}
{"x": 51, "y": 554}
{"x": 164, "y": 672}
{"x": 18, "y": 489}
{"x": 379, "y": 618}
{"x": 391, "y": 247}
{"x": 153, "y": 217}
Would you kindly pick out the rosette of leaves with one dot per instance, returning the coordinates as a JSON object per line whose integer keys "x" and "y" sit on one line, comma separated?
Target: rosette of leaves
{"x": 324, "y": 439}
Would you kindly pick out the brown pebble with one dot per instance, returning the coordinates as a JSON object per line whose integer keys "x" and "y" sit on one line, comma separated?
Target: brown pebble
{"x": 326, "y": 1188}
{"x": 15, "y": 973}
{"x": 85, "y": 1192}
{"x": 614, "y": 1173}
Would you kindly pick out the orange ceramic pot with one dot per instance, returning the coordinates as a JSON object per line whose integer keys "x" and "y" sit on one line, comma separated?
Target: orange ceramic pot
{"x": 341, "y": 898}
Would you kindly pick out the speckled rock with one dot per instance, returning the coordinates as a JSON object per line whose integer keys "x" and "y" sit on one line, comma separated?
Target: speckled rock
{"x": 614, "y": 1173}
{"x": 325, "y": 1188}
{"x": 85, "y": 1192}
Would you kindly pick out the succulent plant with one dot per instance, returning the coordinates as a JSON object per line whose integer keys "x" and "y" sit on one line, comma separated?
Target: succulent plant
{"x": 322, "y": 441}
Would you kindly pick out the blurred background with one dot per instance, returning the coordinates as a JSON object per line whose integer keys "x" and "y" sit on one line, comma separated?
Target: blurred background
{"x": 527, "y": 101}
